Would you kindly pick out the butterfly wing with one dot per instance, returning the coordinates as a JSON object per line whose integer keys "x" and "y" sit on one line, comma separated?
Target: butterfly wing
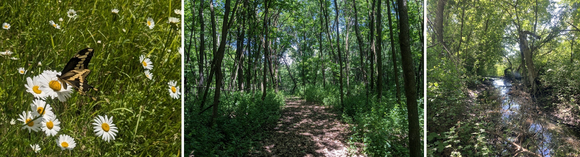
{"x": 76, "y": 71}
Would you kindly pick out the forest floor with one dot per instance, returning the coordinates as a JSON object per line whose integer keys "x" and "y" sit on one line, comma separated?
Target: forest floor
{"x": 308, "y": 129}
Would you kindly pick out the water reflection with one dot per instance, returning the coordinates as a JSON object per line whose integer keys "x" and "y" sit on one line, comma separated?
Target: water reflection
{"x": 515, "y": 119}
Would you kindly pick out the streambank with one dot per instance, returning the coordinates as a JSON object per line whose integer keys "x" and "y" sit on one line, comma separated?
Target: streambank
{"x": 520, "y": 125}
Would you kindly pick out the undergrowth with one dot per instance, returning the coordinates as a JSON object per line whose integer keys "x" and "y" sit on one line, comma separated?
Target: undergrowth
{"x": 242, "y": 119}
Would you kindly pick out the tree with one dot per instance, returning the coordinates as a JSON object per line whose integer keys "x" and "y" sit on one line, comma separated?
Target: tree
{"x": 339, "y": 56}
{"x": 218, "y": 61}
{"x": 409, "y": 75}
{"x": 394, "y": 56}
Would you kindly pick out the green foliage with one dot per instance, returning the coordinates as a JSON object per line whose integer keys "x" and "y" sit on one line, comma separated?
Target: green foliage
{"x": 463, "y": 139}
{"x": 242, "y": 119}
{"x": 147, "y": 118}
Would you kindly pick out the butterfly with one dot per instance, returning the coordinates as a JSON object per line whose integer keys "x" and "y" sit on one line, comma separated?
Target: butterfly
{"x": 76, "y": 71}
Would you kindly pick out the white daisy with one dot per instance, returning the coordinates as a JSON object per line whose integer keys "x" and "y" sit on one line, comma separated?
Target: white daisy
{"x": 173, "y": 20}
{"x": 177, "y": 11}
{"x": 115, "y": 11}
{"x": 150, "y": 23}
{"x": 124, "y": 30}
{"x": 105, "y": 128}
{"x": 35, "y": 148}
{"x": 6, "y": 53}
{"x": 28, "y": 121}
{"x": 50, "y": 126}
{"x": 66, "y": 142}
{"x": 173, "y": 89}
{"x": 98, "y": 41}
{"x": 146, "y": 62}
{"x": 34, "y": 85}
{"x": 148, "y": 75}
{"x": 14, "y": 58}
{"x": 6, "y": 26}
{"x": 39, "y": 107}
{"x": 71, "y": 13}
{"x": 21, "y": 70}
{"x": 39, "y": 63}
{"x": 12, "y": 121}
{"x": 54, "y": 24}
{"x": 60, "y": 19}
{"x": 53, "y": 87}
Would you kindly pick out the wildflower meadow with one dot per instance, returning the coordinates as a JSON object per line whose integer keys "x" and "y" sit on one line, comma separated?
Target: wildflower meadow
{"x": 135, "y": 68}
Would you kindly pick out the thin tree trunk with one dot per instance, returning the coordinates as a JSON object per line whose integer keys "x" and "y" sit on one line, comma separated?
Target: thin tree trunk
{"x": 201, "y": 49}
{"x": 393, "y": 54}
{"x": 218, "y": 62}
{"x": 321, "y": 46}
{"x": 264, "y": 41}
{"x": 373, "y": 46}
{"x": 339, "y": 56}
{"x": 379, "y": 51}
{"x": 409, "y": 75}
{"x": 359, "y": 39}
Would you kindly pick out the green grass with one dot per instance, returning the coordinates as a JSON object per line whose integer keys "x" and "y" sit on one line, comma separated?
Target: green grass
{"x": 148, "y": 119}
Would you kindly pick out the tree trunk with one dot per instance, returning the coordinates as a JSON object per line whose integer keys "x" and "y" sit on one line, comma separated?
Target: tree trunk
{"x": 379, "y": 52}
{"x": 393, "y": 54}
{"x": 339, "y": 56}
{"x": 409, "y": 75}
{"x": 201, "y": 48}
{"x": 439, "y": 20}
{"x": 265, "y": 42}
{"x": 321, "y": 53}
{"x": 529, "y": 62}
{"x": 373, "y": 47}
{"x": 359, "y": 40}
{"x": 218, "y": 62}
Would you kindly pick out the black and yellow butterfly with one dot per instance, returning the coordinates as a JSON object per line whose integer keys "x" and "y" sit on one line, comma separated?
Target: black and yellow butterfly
{"x": 76, "y": 71}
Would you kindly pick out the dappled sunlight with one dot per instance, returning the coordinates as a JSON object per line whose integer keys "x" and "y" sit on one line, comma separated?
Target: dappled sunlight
{"x": 306, "y": 129}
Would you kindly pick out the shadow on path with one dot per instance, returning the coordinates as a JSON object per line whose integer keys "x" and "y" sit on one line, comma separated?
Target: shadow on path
{"x": 306, "y": 129}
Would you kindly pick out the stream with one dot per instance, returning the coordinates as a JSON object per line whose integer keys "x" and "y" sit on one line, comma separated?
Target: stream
{"x": 523, "y": 125}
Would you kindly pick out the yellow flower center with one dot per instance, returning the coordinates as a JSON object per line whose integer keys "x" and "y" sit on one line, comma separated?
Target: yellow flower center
{"x": 105, "y": 127}
{"x": 144, "y": 63}
{"x": 54, "y": 85}
{"x": 36, "y": 90}
{"x": 54, "y": 25}
{"x": 49, "y": 125}
{"x": 40, "y": 110}
{"x": 148, "y": 76}
{"x": 22, "y": 71}
{"x": 5, "y": 26}
{"x": 29, "y": 122}
{"x": 173, "y": 89}
{"x": 148, "y": 23}
{"x": 64, "y": 144}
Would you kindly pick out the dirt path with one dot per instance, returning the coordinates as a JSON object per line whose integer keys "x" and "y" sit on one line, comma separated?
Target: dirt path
{"x": 307, "y": 129}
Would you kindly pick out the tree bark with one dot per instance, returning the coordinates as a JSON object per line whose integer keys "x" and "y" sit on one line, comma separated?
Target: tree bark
{"x": 409, "y": 75}
{"x": 359, "y": 40}
{"x": 379, "y": 52}
{"x": 439, "y": 21}
{"x": 339, "y": 56}
{"x": 218, "y": 62}
{"x": 523, "y": 42}
{"x": 393, "y": 55}
{"x": 265, "y": 32}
